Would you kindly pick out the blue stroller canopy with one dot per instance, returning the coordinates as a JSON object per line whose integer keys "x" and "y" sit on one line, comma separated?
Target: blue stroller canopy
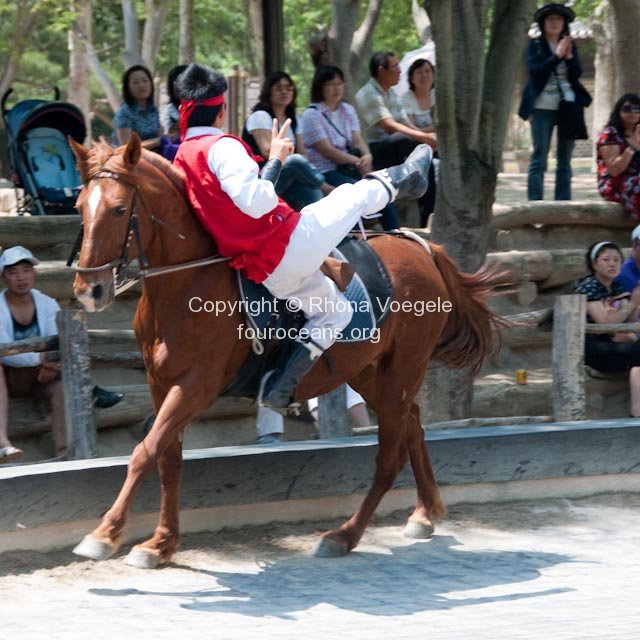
{"x": 31, "y": 114}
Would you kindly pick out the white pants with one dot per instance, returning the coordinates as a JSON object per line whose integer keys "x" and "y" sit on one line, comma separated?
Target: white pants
{"x": 270, "y": 421}
{"x": 322, "y": 226}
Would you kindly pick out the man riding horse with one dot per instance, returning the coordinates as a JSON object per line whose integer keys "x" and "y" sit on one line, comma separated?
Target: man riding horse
{"x": 268, "y": 241}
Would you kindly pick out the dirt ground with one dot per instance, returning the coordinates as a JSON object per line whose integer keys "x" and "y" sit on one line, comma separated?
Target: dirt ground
{"x": 277, "y": 541}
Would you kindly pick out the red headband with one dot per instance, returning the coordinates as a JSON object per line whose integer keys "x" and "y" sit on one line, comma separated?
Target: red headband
{"x": 187, "y": 107}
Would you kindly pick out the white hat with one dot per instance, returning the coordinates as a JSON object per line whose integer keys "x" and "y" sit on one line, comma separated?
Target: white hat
{"x": 635, "y": 234}
{"x": 14, "y": 255}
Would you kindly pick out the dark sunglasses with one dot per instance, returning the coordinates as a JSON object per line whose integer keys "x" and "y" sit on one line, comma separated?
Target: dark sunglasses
{"x": 630, "y": 108}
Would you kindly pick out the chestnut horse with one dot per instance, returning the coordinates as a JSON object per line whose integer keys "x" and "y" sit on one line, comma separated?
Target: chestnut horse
{"x": 133, "y": 206}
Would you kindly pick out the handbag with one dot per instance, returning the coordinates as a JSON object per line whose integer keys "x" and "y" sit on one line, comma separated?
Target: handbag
{"x": 347, "y": 169}
{"x": 571, "y": 124}
{"x": 350, "y": 170}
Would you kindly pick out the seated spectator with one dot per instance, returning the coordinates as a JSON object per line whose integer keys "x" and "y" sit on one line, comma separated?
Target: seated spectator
{"x": 418, "y": 102}
{"x": 26, "y": 312}
{"x": 630, "y": 272}
{"x": 300, "y": 183}
{"x": 609, "y": 303}
{"x": 171, "y": 116}
{"x": 332, "y": 135}
{"x": 618, "y": 158}
{"x": 270, "y": 424}
{"x": 138, "y": 113}
{"x": 387, "y": 130}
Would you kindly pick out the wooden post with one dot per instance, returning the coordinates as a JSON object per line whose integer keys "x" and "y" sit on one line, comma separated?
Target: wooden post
{"x": 333, "y": 420}
{"x": 568, "y": 358}
{"x": 76, "y": 380}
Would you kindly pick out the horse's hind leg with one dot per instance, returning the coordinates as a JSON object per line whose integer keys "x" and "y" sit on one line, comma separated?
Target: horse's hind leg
{"x": 391, "y": 457}
{"x": 429, "y": 503}
{"x": 161, "y": 546}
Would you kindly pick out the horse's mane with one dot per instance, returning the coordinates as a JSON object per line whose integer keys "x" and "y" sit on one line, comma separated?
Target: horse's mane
{"x": 173, "y": 173}
{"x": 101, "y": 152}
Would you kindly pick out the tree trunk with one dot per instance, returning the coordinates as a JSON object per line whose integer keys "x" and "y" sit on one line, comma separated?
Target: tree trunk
{"x": 605, "y": 68}
{"x": 474, "y": 88}
{"x": 255, "y": 37}
{"x": 112, "y": 93}
{"x": 348, "y": 45}
{"x": 421, "y": 21}
{"x": 79, "y": 72}
{"x": 187, "y": 44}
{"x": 625, "y": 16}
{"x": 155, "y": 17}
{"x": 131, "y": 54}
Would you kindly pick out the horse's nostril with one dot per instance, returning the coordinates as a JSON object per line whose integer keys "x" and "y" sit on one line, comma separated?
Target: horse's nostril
{"x": 97, "y": 291}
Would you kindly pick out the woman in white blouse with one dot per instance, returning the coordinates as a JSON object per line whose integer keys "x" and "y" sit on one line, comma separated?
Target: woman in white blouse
{"x": 418, "y": 102}
{"x": 300, "y": 183}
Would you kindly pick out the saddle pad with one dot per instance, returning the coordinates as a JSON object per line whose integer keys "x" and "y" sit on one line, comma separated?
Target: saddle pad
{"x": 270, "y": 320}
{"x": 368, "y": 294}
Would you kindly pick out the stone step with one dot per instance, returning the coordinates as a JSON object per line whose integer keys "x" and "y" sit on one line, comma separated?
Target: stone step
{"x": 49, "y": 237}
{"x": 555, "y": 225}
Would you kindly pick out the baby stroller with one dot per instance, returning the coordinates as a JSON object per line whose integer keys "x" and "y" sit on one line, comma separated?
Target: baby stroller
{"x": 41, "y": 159}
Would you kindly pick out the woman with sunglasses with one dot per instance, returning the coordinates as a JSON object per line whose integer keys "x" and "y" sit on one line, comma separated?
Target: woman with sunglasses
{"x": 618, "y": 158}
{"x": 300, "y": 183}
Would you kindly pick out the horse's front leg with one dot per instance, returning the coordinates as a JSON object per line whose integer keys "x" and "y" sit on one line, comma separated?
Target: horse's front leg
{"x": 175, "y": 413}
{"x": 160, "y": 548}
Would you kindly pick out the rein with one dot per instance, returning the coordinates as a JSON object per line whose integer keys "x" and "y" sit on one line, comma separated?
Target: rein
{"x": 124, "y": 279}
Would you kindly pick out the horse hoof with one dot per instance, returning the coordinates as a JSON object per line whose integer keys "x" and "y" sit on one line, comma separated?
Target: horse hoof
{"x": 94, "y": 549}
{"x": 329, "y": 548}
{"x": 142, "y": 558}
{"x": 418, "y": 530}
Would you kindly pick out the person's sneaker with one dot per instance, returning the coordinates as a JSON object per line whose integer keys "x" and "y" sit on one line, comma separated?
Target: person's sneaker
{"x": 270, "y": 438}
{"x": 103, "y": 399}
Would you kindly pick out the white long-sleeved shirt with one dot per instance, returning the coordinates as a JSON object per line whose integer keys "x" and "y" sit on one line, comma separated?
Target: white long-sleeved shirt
{"x": 46, "y": 310}
{"x": 238, "y": 174}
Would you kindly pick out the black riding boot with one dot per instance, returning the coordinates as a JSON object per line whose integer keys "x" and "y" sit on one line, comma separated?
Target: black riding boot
{"x": 279, "y": 384}
{"x": 409, "y": 179}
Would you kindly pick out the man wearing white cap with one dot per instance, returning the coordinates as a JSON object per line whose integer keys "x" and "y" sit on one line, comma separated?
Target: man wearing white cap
{"x": 630, "y": 273}
{"x": 26, "y": 312}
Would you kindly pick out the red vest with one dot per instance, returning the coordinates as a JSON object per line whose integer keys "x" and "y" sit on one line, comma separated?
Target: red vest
{"x": 256, "y": 245}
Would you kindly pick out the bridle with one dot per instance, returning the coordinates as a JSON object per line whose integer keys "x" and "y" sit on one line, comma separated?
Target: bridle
{"x": 124, "y": 279}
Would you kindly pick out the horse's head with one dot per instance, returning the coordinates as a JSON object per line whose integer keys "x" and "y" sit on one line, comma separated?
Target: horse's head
{"x": 109, "y": 206}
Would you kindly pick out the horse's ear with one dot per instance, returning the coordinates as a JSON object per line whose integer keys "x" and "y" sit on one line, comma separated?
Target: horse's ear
{"x": 79, "y": 151}
{"x": 133, "y": 150}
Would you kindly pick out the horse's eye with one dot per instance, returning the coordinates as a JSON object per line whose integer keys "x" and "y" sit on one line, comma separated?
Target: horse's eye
{"x": 118, "y": 212}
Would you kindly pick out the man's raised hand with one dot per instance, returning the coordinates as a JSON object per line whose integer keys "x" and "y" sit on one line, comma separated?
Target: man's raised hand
{"x": 281, "y": 146}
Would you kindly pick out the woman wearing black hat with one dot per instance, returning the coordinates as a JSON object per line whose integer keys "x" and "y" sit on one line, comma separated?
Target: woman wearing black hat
{"x": 554, "y": 69}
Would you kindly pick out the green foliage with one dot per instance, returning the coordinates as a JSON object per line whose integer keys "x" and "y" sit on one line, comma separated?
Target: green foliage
{"x": 302, "y": 20}
{"x": 395, "y": 30}
{"x": 222, "y": 37}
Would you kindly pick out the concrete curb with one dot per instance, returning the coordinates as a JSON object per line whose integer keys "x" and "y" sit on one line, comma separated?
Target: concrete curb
{"x": 324, "y": 473}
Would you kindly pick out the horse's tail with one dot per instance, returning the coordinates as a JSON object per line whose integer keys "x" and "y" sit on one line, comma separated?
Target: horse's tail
{"x": 470, "y": 332}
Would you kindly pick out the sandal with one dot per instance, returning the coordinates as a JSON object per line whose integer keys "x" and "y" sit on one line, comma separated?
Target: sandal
{"x": 10, "y": 454}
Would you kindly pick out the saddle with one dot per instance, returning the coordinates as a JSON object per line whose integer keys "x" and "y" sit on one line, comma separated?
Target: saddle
{"x": 272, "y": 326}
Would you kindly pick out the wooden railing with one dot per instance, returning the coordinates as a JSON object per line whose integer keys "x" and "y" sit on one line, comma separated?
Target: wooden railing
{"x": 569, "y": 329}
